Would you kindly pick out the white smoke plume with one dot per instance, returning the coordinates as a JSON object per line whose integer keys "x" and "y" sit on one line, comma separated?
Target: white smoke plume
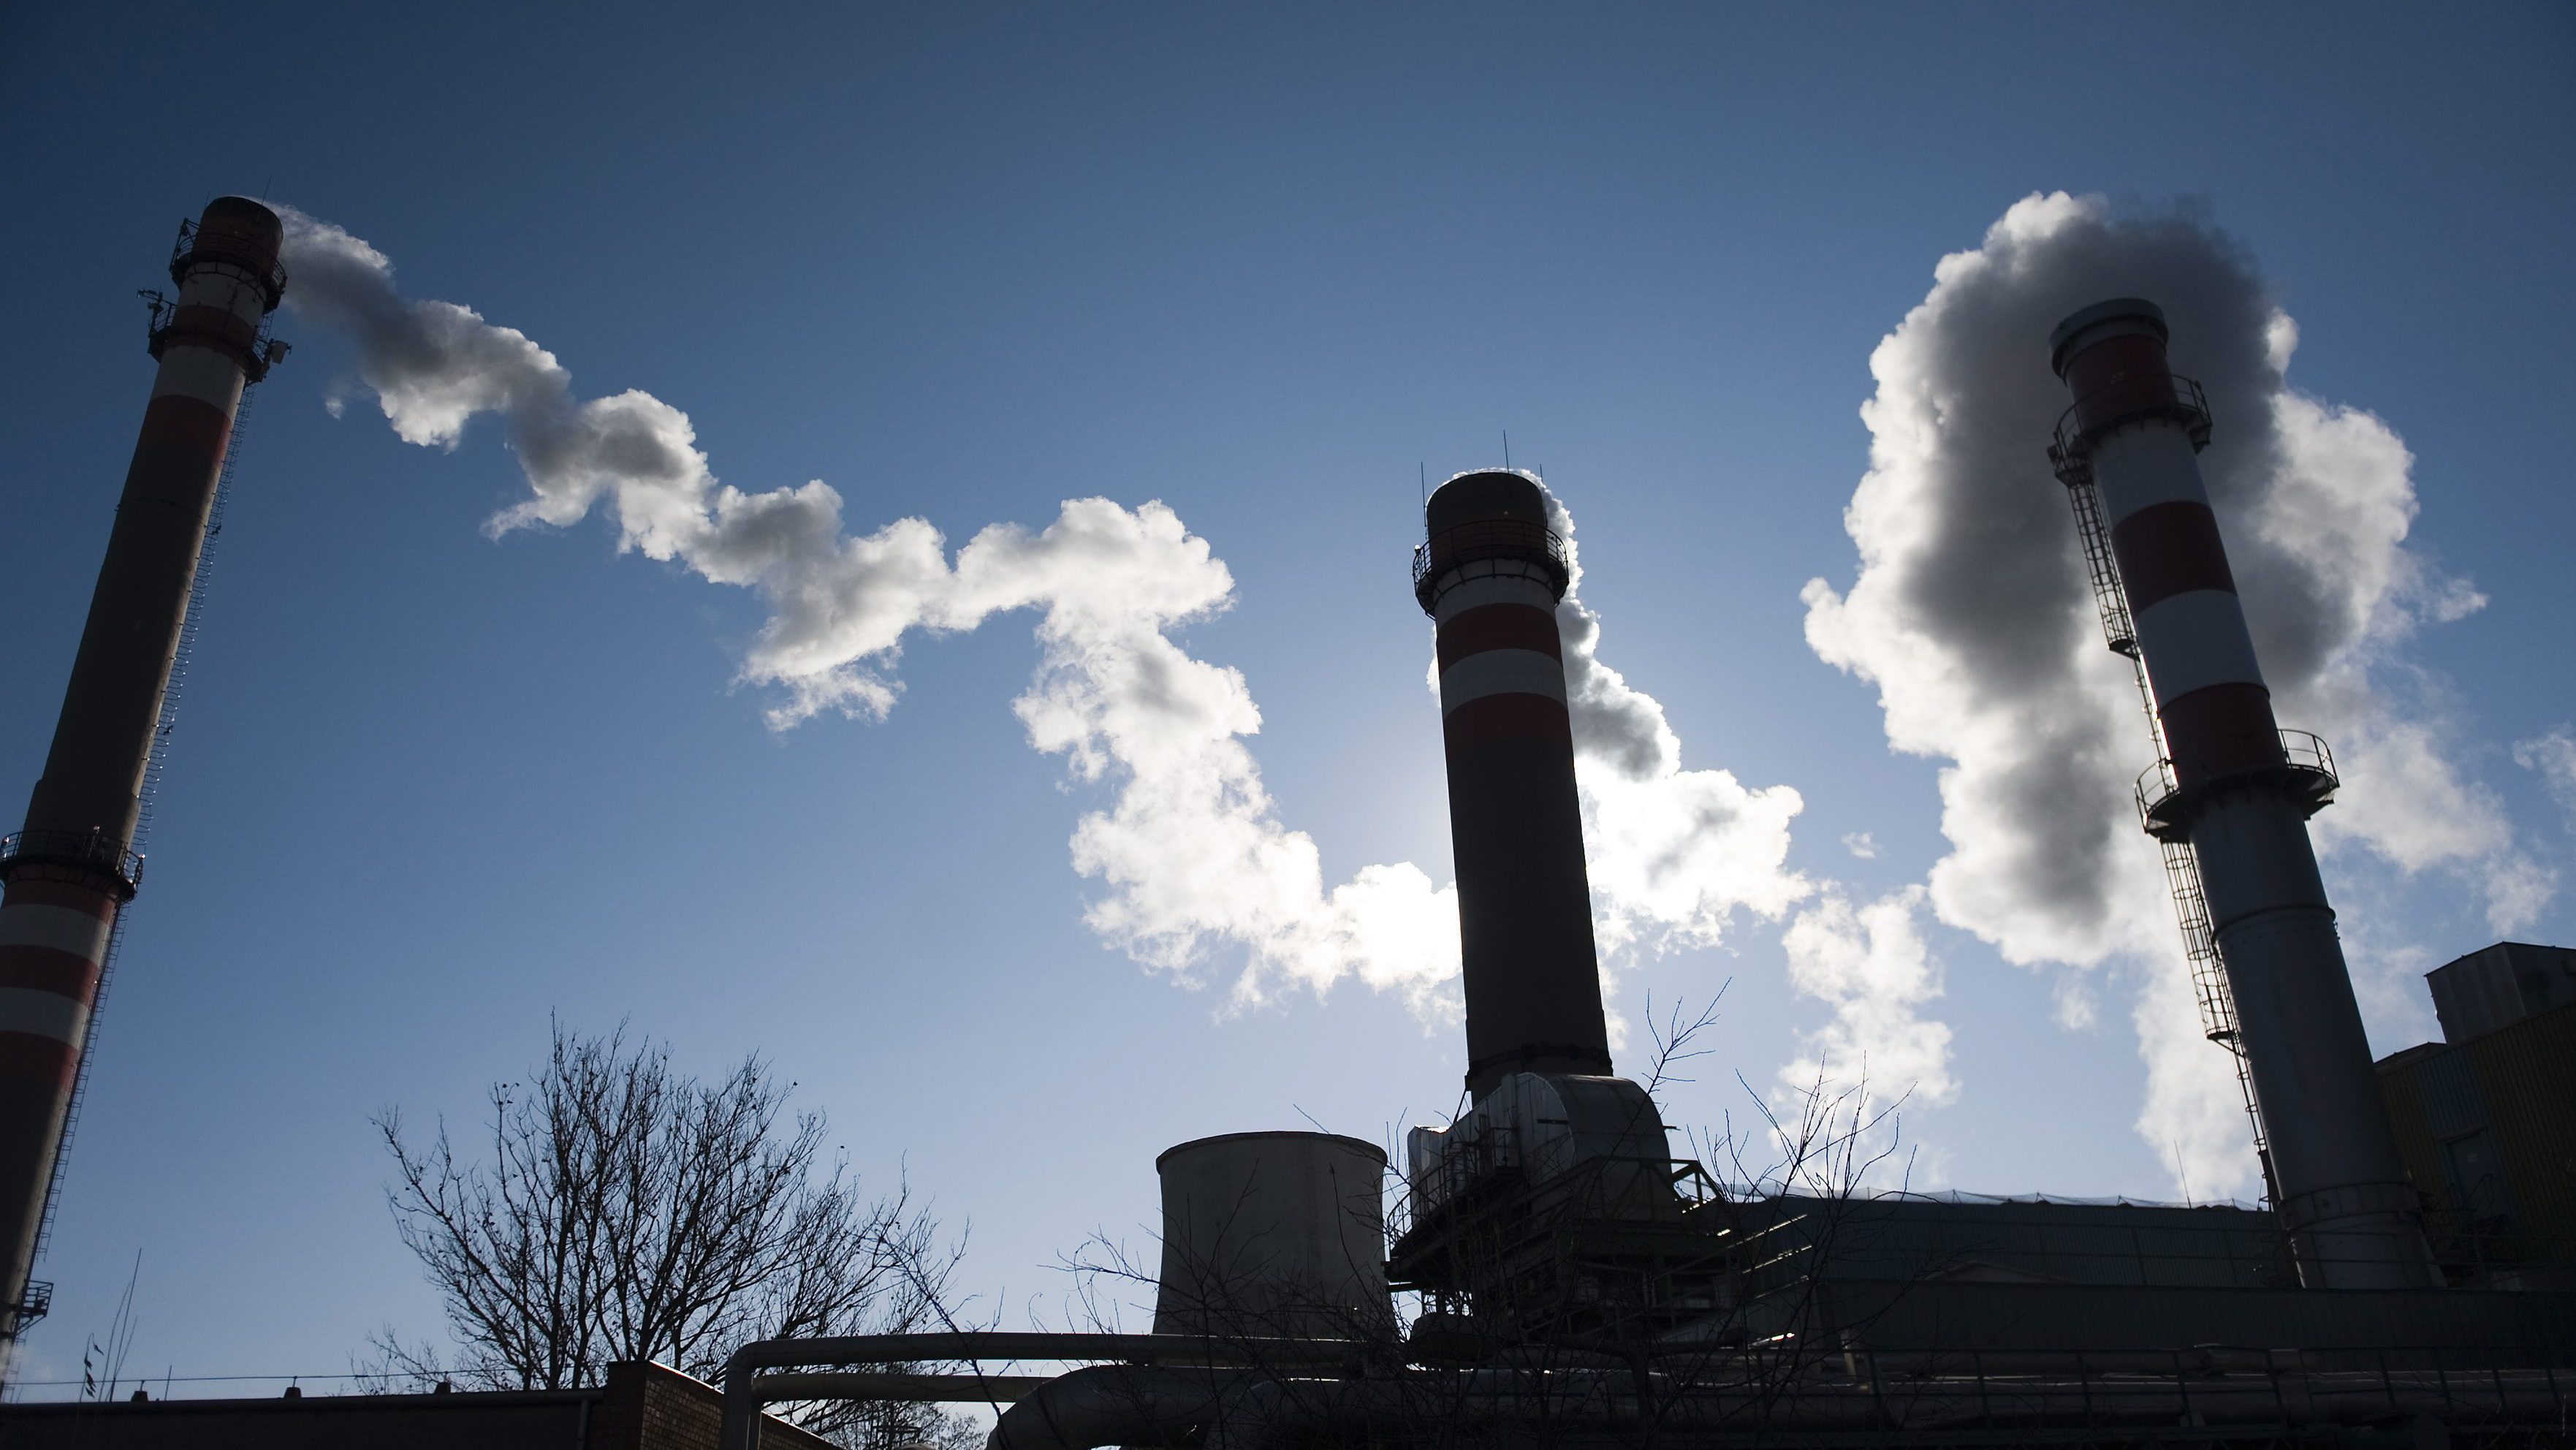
{"x": 1197, "y": 865}
{"x": 1972, "y": 616}
{"x": 1870, "y": 963}
{"x": 1671, "y": 852}
{"x": 1880, "y": 1056}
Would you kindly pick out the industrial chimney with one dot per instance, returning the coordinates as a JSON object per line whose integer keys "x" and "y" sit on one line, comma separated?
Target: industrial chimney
{"x": 2239, "y": 790}
{"x": 73, "y": 867}
{"x": 1550, "y": 1131}
{"x": 1491, "y": 574}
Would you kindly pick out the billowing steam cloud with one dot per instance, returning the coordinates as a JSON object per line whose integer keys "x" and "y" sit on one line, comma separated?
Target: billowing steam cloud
{"x": 1197, "y": 864}
{"x": 1871, "y": 964}
{"x": 1972, "y": 616}
{"x": 1672, "y": 852}
{"x": 1881, "y": 1054}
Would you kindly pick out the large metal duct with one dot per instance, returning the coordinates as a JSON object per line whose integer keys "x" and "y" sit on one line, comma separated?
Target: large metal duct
{"x": 1544, "y": 1127}
{"x": 1491, "y": 573}
{"x": 1273, "y": 1234}
{"x": 1203, "y": 1393}
{"x": 72, "y": 868}
{"x": 2241, "y": 796}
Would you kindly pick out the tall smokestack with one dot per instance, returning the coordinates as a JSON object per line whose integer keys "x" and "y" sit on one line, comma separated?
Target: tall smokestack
{"x": 73, "y": 867}
{"x": 1491, "y": 574}
{"x": 2241, "y": 793}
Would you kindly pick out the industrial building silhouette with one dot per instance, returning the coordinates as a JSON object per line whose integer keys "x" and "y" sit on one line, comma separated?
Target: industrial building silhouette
{"x": 2409, "y": 1280}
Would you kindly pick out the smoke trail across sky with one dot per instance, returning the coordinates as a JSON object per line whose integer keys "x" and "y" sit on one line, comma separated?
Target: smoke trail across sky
{"x": 1198, "y": 867}
{"x": 1972, "y": 616}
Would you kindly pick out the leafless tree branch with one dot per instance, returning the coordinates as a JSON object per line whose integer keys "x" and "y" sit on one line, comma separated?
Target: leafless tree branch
{"x": 625, "y": 1211}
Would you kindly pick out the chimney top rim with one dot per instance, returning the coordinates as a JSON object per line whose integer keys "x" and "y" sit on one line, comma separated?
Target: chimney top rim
{"x": 2114, "y": 309}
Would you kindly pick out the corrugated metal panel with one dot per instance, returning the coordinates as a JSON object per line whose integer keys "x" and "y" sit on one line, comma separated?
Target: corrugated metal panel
{"x": 2527, "y": 1074}
{"x": 2452, "y": 1103}
{"x": 2414, "y": 1135}
{"x": 2497, "y": 986}
{"x": 1910, "y": 1238}
{"x": 1983, "y": 1318}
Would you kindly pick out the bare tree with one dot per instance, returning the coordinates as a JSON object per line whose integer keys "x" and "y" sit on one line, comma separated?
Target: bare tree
{"x": 625, "y": 1211}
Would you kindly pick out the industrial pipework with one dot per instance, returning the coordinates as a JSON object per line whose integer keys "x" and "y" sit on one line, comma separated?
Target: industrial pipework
{"x": 2240, "y": 791}
{"x": 73, "y": 867}
{"x": 1491, "y": 574}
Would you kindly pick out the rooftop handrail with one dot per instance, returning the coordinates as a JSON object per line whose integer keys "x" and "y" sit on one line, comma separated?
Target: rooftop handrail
{"x": 2156, "y": 785}
{"x": 1479, "y": 540}
{"x": 1488, "y": 538}
{"x": 1690, "y": 1180}
{"x": 2306, "y": 751}
{"x": 2073, "y": 438}
{"x": 195, "y": 244}
{"x": 2302, "y": 751}
{"x": 92, "y": 849}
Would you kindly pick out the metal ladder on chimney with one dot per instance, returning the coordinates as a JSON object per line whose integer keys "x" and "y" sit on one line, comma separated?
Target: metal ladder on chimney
{"x": 2182, "y": 867}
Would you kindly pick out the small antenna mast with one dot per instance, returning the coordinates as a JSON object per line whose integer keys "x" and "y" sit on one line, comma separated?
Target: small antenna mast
{"x": 1507, "y": 448}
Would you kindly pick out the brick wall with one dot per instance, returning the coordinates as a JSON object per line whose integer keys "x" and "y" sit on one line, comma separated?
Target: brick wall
{"x": 655, "y": 1407}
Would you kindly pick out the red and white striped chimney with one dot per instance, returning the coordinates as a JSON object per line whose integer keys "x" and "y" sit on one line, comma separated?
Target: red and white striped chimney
{"x": 2241, "y": 794}
{"x": 72, "y": 868}
{"x": 1490, "y": 573}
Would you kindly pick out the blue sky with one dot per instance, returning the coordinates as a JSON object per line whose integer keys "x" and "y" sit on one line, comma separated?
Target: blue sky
{"x": 965, "y": 264}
